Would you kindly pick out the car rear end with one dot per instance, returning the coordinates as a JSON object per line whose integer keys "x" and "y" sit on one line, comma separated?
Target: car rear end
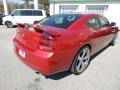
{"x": 35, "y": 49}
{"x": 43, "y": 47}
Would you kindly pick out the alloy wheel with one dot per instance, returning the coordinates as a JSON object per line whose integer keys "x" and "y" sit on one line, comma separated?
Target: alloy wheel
{"x": 9, "y": 24}
{"x": 81, "y": 61}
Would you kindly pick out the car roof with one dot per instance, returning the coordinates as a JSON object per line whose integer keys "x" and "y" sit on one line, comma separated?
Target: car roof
{"x": 84, "y": 14}
{"x": 30, "y": 9}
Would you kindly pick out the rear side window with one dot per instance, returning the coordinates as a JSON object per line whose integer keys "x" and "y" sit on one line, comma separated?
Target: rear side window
{"x": 26, "y": 12}
{"x": 60, "y": 20}
{"x": 94, "y": 23}
{"x": 104, "y": 22}
{"x": 37, "y": 13}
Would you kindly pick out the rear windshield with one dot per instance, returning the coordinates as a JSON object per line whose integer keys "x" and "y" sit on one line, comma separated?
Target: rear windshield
{"x": 60, "y": 20}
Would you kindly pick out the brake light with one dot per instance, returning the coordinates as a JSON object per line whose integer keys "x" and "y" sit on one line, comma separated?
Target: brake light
{"x": 46, "y": 42}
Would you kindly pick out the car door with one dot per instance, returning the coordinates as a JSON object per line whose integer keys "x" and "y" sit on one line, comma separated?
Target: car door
{"x": 97, "y": 35}
{"x": 109, "y": 31}
{"x": 26, "y": 16}
{"x": 15, "y": 17}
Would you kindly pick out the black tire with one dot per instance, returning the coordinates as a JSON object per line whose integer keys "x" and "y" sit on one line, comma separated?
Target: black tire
{"x": 113, "y": 42}
{"x": 74, "y": 66}
{"x": 9, "y": 24}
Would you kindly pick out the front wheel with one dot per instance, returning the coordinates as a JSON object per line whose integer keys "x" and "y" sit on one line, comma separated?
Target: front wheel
{"x": 81, "y": 61}
{"x": 113, "y": 42}
{"x": 9, "y": 24}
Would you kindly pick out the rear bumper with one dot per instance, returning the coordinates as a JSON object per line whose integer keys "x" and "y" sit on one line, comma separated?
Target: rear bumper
{"x": 45, "y": 62}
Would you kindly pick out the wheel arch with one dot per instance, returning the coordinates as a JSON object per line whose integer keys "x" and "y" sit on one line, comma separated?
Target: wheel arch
{"x": 6, "y": 22}
{"x": 87, "y": 44}
{"x": 84, "y": 45}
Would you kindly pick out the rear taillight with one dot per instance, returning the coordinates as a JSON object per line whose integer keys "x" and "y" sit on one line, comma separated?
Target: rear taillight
{"x": 46, "y": 43}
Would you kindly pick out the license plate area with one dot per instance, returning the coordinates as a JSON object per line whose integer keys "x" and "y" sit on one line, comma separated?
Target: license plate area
{"x": 21, "y": 53}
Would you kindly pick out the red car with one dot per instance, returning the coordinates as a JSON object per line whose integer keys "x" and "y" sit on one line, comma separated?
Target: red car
{"x": 63, "y": 42}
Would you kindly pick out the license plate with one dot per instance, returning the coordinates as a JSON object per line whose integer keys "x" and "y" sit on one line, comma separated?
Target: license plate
{"x": 22, "y": 53}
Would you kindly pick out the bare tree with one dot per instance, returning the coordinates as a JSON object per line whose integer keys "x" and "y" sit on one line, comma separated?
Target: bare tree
{"x": 27, "y": 3}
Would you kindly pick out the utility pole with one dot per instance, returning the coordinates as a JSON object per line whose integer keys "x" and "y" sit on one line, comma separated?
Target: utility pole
{"x": 5, "y": 7}
{"x": 35, "y": 4}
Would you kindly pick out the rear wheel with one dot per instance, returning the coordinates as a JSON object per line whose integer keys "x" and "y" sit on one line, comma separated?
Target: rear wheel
{"x": 81, "y": 61}
{"x": 9, "y": 24}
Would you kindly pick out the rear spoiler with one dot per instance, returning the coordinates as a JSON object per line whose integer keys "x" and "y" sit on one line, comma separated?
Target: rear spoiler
{"x": 38, "y": 29}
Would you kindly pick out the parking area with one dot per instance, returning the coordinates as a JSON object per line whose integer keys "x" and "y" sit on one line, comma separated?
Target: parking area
{"x": 102, "y": 74}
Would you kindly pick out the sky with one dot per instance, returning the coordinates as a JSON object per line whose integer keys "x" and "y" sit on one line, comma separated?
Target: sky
{"x": 16, "y": 1}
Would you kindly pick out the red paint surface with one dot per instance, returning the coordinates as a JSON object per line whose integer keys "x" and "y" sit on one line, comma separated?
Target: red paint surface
{"x": 66, "y": 44}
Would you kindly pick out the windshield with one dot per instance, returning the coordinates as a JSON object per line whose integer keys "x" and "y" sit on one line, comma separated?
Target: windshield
{"x": 60, "y": 20}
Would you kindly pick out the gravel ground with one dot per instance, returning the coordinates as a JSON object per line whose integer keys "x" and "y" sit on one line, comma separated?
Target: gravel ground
{"x": 102, "y": 74}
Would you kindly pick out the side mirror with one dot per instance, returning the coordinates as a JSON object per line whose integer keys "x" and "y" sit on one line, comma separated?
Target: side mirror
{"x": 113, "y": 24}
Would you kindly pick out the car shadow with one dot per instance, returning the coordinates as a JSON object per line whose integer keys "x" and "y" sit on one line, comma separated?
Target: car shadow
{"x": 67, "y": 73}
{"x": 59, "y": 75}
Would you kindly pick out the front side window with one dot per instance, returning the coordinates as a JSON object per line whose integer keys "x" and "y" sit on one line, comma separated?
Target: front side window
{"x": 61, "y": 20}
{"x": 104, "y": 22}
{"x": 16, "y": 13}
{"x": 94, "y": 23}
{"x": 26, "y": 12}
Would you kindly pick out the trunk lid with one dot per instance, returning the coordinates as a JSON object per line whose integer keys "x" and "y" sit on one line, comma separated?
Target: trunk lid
{"x": 31, "y": 37}
{"x": 27, "y": 38}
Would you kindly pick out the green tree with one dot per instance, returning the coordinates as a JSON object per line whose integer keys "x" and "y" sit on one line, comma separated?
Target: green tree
{"x": 27, "y": 3}
{"x": 1, "y": 7}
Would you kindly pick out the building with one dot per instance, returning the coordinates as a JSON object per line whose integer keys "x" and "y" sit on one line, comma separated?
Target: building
{"x": 36, "y": 3}
{"x": 109, "y": 8}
